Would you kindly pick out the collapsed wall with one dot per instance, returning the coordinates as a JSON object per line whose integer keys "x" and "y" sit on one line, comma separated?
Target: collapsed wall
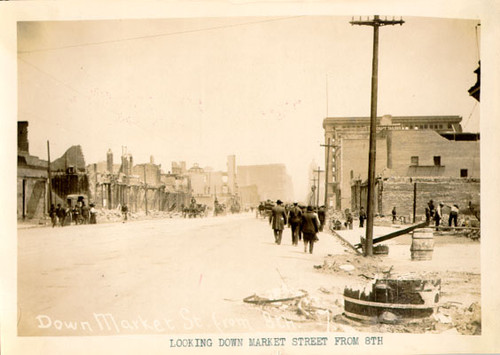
{"x": 399, "y": 192}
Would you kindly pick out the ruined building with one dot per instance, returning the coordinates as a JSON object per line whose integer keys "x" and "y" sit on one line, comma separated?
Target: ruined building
{"x": 34, "y": 193}
{"x": 430, "y": 150}
{"x": 143, "y": 187}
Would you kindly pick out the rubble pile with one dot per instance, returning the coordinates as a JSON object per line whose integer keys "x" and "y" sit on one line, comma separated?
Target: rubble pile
{"x": 115, "y": 215}
{"x": 292, "y": 305}
{"x": 350, "y": 264}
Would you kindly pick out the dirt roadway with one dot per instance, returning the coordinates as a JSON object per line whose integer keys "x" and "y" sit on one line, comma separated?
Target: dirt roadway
{"x": 175, "y": 276}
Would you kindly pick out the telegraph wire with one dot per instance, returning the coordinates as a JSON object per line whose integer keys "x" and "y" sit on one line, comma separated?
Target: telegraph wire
{"x": 471, "y": 113}
{"x": 87, "y": 97}
{"x": 158, "y": 35}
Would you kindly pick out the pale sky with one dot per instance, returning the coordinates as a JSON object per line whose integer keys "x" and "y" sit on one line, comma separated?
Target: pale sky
{"x": 201, "y": 89}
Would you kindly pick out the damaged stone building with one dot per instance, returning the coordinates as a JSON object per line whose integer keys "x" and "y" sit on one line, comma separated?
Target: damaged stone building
{"x": 207, "y": 184}
{"x": 426, "y": 155}
{"x": 35, "y": 193}
{"x": 141, "y": 187}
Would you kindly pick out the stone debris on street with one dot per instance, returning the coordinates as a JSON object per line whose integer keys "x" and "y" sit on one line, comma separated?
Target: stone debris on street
{"x": 130, "y": 269}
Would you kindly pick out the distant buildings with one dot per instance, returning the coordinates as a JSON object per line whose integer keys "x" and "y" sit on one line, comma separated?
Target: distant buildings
{"x": 415, "y": 148}
{"x": 113, "y": 182}
{"x": 271, "y": 182}
{"x": 142, "y": 187}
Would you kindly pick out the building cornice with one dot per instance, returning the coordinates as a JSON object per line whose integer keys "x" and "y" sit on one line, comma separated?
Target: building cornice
{"x": 335, "y": 121}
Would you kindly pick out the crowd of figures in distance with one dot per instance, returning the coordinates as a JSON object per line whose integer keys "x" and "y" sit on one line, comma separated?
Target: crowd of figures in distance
{"x": 79, "y": 213}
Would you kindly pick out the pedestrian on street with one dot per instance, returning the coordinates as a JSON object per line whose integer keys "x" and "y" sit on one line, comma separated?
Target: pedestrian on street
{"x": 294, "y": 220}
{"x": 124, "y": 213}
{"x": 278, "y": 221}
{"x": 76, "y": 214}
{"x": 348, "y": 219}
{"x": 93, "y": 214}
{"x": 322, "y": 217}
{"x": 85, "y": 214}
{"x": 394, "y": 215}
{"x": 453, "y": 215}
{"x": 310, "y": 228}
{"x": 362, "y": 217}
{"x": 53, "y": 215}
{"x": 61, "y": 214}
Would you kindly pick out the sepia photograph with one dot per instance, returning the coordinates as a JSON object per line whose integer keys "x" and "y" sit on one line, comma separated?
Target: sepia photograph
{"x": 260, "y": 182}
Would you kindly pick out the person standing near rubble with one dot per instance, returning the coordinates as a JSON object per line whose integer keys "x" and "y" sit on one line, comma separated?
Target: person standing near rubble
{"x": 348, "y": 219}
{"x": 310, "y": 228}
{"x": 453, "y": 215}
{"x": 438, "y": 213}
{"x": 124, "y": 213}
{"x": 278, "y": 220}
{"x": 394, "y": 215}
{"x": 294, "y": 220}
{"x": 432, "y": 209}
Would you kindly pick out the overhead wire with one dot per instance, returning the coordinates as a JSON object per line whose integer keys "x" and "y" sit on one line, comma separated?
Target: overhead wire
{"x": 159, "y": 35}
{"x": 87, "y": 97}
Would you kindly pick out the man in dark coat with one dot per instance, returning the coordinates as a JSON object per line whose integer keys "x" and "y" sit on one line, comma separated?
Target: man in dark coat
{"x": 362, "y": 217}
{"x": 61, "y": 214}
{"x": 278, "y": 220}
{"x": 53, "y": 215}
{"x": 294, "y": 219}
{"x": 309, "y": 227}
{"x": 322, "y": 217}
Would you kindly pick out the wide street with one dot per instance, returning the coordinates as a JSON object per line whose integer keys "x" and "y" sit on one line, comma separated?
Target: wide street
{"x": 165, "y": 276}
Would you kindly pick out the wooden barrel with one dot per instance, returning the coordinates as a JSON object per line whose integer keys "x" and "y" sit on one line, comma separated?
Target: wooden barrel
{"x": 381, "y": 249}
{"x": 422, "y": 244}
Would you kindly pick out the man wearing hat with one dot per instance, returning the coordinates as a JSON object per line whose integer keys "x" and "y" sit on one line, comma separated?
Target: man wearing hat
{"x": 278, "y": 220}
{"x": 294, "y": 219}
{"x": 309, "y": 227}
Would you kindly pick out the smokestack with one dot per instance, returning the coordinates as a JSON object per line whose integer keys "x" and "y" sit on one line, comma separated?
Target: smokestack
{"x": 22, "y": 137}
{"x": 109, "y": 161}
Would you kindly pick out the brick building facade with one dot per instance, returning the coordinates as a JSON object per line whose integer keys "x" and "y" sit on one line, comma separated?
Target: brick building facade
{"x": 433, "y": 146}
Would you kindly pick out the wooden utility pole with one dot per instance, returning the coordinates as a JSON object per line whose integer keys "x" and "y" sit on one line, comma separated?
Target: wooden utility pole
{"x": 317, "y": 199}
{"x": 414, "y": 202}
{"x": 375, "y": 23}
{"x": 328, "y": 147}
{"x": 313, "y": 190}
{"x": 49, "y": 175}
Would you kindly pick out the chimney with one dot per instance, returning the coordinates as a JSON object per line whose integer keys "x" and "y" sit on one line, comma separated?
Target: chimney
{"x": 22, "y": 137}
{"x": 109, "y": 161}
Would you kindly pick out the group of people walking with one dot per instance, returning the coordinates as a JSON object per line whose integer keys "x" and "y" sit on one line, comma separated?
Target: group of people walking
{"x": 80, "y": 213}
{"x": 304, "y": 224}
